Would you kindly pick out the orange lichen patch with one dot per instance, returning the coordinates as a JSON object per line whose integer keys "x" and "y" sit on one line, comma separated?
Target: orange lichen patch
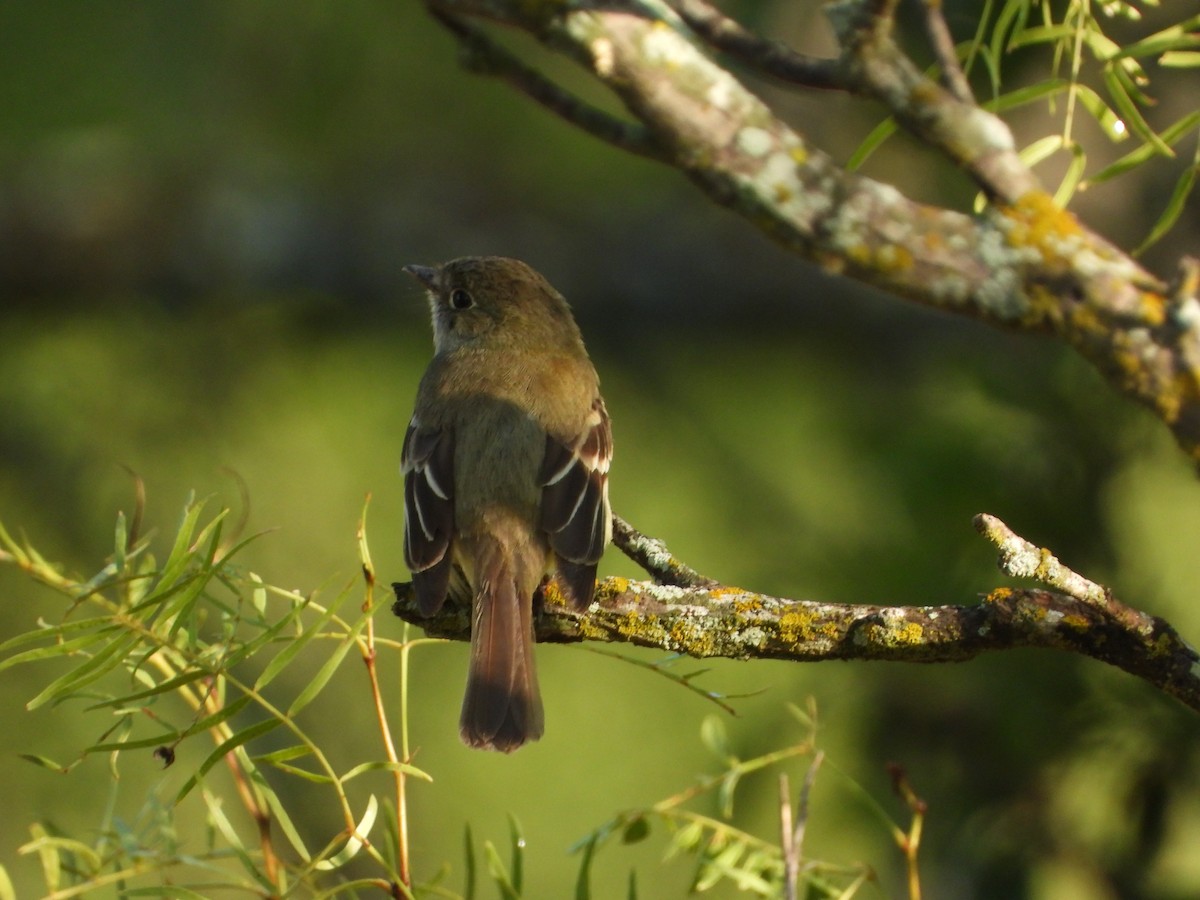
{"x": 747, "y": 605}
{"x": 1153, "y": 308}
{"x": 1038, "y": 222}
{"x": 1078, "y": 623}
{"x": 907, "y": 633}
{"x": 999, "y": 595}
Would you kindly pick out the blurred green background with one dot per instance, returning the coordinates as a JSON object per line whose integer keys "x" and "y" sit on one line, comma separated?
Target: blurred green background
{"x": 204, "y": 209}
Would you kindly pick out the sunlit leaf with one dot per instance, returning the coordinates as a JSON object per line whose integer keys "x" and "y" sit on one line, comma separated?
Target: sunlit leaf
{"x": 1180, "y": 59}
{"x": 1118, "y": 89}
{"x": 385, "y": 766}
{"x": 1072, "y": 177}
{"x": 355, "y": 843}
{"x": 1040, "y": 34}
{"x": 498, "y": 872}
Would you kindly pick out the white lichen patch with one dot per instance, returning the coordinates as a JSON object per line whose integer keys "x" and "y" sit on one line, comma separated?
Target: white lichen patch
{"x": 990, "y": 131}
{"x": 757, "y": 142}
{"x": 662, "y": 45}
{"x": 1001, "y": 291}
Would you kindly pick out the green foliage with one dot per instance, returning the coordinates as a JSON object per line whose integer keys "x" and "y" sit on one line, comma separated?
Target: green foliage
{"x": 724, "y": 853}
{"x": 167, "y": 653}
{"x": 1091, "y": 68}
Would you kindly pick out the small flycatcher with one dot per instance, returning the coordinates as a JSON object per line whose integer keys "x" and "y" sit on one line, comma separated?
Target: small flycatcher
{"x": 505, "y": 469}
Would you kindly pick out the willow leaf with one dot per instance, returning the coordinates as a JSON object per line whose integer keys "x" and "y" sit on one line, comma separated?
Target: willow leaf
{"x": 247, "y": 734}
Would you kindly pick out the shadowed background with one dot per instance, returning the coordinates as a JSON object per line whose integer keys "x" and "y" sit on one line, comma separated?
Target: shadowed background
{"x": 203, "y": 215}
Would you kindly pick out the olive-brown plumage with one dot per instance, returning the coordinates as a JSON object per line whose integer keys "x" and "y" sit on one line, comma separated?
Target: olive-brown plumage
{"x": 506, "y": 476}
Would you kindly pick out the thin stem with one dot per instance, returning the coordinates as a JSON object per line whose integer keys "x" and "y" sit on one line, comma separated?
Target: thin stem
{"x": 370, "y": 655}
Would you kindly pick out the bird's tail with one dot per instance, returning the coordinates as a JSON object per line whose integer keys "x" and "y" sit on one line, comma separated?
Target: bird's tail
{"x": 502, "y": 708}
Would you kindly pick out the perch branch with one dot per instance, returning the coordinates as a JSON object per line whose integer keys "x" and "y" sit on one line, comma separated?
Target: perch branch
{"x": 708, "y": 619}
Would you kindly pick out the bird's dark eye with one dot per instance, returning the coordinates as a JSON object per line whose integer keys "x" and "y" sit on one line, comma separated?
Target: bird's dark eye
{"x": 460, "y": 299}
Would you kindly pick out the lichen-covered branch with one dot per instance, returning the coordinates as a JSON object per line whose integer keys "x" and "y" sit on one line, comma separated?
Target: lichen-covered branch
{"x": 705, "y": 619}
{"x": 1024, "y": 263}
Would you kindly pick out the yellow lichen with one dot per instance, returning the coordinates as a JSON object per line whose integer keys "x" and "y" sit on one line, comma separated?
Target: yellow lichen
{"x": 908, "y": 633}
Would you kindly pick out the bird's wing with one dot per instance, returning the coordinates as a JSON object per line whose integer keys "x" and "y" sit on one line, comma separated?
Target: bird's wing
{"x": 427, "y": 462}
{"x": 575, "y": 511}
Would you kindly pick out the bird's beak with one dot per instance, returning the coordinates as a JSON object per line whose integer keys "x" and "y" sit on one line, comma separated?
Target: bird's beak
{"x": 425, "y": 274}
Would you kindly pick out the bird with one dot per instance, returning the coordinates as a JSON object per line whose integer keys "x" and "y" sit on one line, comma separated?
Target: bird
{"x": 505, "y": 463}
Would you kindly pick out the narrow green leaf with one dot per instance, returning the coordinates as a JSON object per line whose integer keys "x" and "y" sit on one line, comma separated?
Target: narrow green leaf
{"x": 1112, "y": 124}
{"x": 499, "y": 874}
{"x": 177, "y": 559}
{"x": 162, "y": 687}
{"x": 293, "y": 647}
{"x": 1041, "y": 34}
{"x": 355, "y": 843}
{"x": 216, "y": 816}
{"x": 88, "y": 672}
{"x": 1171, "y": 134}
{"x": 247, "y": 734}
{"x": 1176, "y": 37}
{"x": 871, "y": 143}
{"x": 1026, "y": 95}
{"x": 1175, "y": 206}
{"x": 685, "y": 840}
{"x": 47, "y": 856}
{"x": 58, "y": 648}
{"x": 583, "y": 881}
{"x": 55, "y": 632}
{"x": 632, "y": 892}
{"x": 296, "y": 751}
{"x": 282, "y": 817}
{"x": 7, "y": 891}
{"x": 1041, "y": 149}
{"x": 726, "y": 791}
{"x": 86, "y": 858}
{"x": 385, "y": 766}
{"x": 1072, "y": 177}
{"x": 468, "y": 864}
{"x": 45, "y": 762}
{"x": 517, "y": 843}
{"x": 1180, "y": 59}
{"x": 325, "y": 673}
{"x": 1118, "y": 89}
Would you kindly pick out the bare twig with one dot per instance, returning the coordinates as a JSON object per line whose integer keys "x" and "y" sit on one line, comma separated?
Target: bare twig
{"x": 947, "y": 55}
{"x": 769, "y": 57}
{"x": 653, "y": 556}
{"x": 483, "y": 55}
